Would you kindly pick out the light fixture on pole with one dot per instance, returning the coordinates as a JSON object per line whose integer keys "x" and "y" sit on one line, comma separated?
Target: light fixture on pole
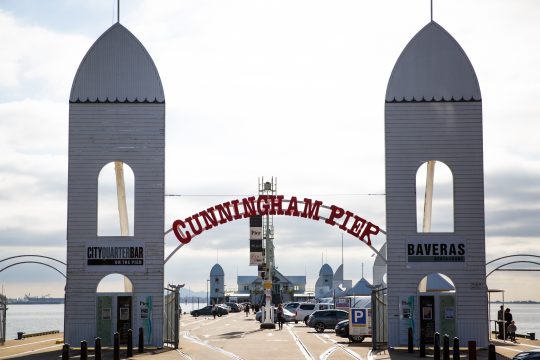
{"x": 207, "y": 286}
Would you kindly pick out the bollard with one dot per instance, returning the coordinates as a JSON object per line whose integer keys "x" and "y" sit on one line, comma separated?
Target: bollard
{"x": 410, "y": 341}
{"x": 446, "y": 347}
{"x": 455, "y": 354}
{"x": 141, "y": 340}
{"x": 422, "y": 346}
{"x": 437, "y": 347}
{"x": 129, "y": 351}
{"x": 84, "y": 350}
{"x": 65, "y": 352}
{"x": 472, "y": 349}
{"x": 116, "y": 349}
{"x": 492, "y": 355}
{"x": 97, "y": 349}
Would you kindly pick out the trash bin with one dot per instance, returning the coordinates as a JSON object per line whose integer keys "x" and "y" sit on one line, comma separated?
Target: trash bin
{"x": 19, "y": 335}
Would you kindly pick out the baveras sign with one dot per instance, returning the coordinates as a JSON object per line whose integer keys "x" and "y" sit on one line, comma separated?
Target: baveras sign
{"x": 194, "y": 225}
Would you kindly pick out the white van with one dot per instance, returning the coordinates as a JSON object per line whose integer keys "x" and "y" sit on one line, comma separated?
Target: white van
{"x": 305, "y": 309}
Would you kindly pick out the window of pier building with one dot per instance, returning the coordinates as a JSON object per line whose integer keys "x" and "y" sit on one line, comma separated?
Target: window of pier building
{"x": 116, "y": 197}
{"x": 434, "y": 197}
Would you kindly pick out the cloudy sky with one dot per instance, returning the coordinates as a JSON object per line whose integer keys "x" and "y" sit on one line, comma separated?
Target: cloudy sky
{"x": 292, "y": 89}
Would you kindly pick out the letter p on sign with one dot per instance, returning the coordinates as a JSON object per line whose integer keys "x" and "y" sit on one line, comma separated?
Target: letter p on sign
{"x": 358, "y": 316}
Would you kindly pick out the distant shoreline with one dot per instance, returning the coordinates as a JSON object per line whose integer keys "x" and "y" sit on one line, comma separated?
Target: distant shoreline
{"x": 516, "y": 302}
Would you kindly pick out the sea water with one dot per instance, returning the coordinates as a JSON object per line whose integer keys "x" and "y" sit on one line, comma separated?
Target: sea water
{"x": 526, "y": 316}
{"x": 33, "y": 319}
{"x": 46, "y": 317}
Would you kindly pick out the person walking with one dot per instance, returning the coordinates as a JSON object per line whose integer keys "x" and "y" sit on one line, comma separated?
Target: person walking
{"x": 507, "y": 320}
{"x": 280, "y": 317}
{"x": 246, "y": 309}
{"x": 214, "y": 310}
{"x": 511, "y": 329}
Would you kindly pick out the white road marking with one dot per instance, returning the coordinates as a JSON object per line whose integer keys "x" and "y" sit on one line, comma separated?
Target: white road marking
{"x": 320, "y": 338}
{"x": 184, "y": 355}
{"x": 300, "y": 344}
{"x": 30, "y": 343}
{"x": 507, "y": 348}
{"x": 206, "y": 344}
{"x": 327, "y": 353}
{"x": 34, "y": 351}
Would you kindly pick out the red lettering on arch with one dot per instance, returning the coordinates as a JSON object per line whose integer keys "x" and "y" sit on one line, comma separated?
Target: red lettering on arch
{"x": 209, "y": 218}
{"x": 184, "y": 238}
{"x": 249, "y": 206}
{"x": 292, "y": 210}
{"x": 272, "y": 205}
{"x": 311, "y": 210}
{"x": 335, "y": 213}
{"x": 224, "y": 212}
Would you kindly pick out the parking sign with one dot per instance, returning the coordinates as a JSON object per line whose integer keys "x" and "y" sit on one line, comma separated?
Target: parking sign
{"x": 359, "y": 317}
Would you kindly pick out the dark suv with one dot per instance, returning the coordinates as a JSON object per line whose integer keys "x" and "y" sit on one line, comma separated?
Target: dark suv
{"x": 326, "y": 319}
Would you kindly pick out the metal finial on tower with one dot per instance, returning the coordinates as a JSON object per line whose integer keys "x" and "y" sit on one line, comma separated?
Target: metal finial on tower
{"x": 431, "y": 9}
{"x": 118, "y": 11}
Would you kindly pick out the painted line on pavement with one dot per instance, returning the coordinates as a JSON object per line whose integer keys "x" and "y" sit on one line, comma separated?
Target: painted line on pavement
{"x": 203, "y": 343}
{"x": 349, "y": 351}
{"x": 30, "y": 343}
{"x": 184, "y": 355}
{"x": 320, "y": 338}
{"x": 327, "y": 353}
{"x": 330, "y": 339}
{"x": 507, "y": 348}
{"x": 34, "y": 351}
{"x": 300, "y": 344}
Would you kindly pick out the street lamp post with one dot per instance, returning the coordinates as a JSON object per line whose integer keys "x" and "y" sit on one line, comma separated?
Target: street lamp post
{"x": 207, "y": 286}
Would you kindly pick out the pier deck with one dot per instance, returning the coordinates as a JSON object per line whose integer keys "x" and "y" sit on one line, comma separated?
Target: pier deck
{"x": 236, "y": 336}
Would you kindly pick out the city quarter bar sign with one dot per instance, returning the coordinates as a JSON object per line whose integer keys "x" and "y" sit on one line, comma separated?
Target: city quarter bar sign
{"x": 194, "y": 225}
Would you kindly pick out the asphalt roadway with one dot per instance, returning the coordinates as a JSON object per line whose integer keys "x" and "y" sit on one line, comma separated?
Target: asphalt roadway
{"x": 238, "y": 337}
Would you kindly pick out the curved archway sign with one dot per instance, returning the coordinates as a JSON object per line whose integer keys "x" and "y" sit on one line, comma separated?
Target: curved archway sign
{"x": 333, "y": 215}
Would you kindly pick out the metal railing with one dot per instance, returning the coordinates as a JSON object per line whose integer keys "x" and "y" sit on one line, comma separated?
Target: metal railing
{"x": 379, "y": 319}
{"x": 171, "y": 317}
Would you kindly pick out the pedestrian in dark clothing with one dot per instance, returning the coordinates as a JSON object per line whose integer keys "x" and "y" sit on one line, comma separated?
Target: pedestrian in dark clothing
{"x": 507, "y": 319}
{"x": 214, "y": 310}
{"x": 280, "y": 316}
{"x": 247, "y": 310}
{"x": 500, "y": 322}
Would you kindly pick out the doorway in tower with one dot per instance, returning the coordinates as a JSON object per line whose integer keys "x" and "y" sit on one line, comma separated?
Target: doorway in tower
{"x": 437, "y": 306}
{"x": 114, "y": 308}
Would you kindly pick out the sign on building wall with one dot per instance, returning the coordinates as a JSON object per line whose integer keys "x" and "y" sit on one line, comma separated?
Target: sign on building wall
{"x": 428, "y": 251}
{"x": 255, "y": 240}
{"x": 144, "y": 313}
{"x": 114, "y": 255}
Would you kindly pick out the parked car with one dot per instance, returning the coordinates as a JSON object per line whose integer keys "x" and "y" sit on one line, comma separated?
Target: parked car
{"x": 342, "y": 330}
{"x": 289, "y": 316}
{"x": 326, "y": 319}
{"x": 234, "y": 307}
{"x": 305, "y": 309}
{"x": 225, "y": 306}
{"x": 291, "y": 306}
{"x": 207, "y": 310}
{"x": 528, "y": 355}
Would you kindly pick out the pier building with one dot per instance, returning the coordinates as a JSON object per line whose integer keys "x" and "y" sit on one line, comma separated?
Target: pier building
{"x": 433, "y": 116}
{"x": 116, "y": 116}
